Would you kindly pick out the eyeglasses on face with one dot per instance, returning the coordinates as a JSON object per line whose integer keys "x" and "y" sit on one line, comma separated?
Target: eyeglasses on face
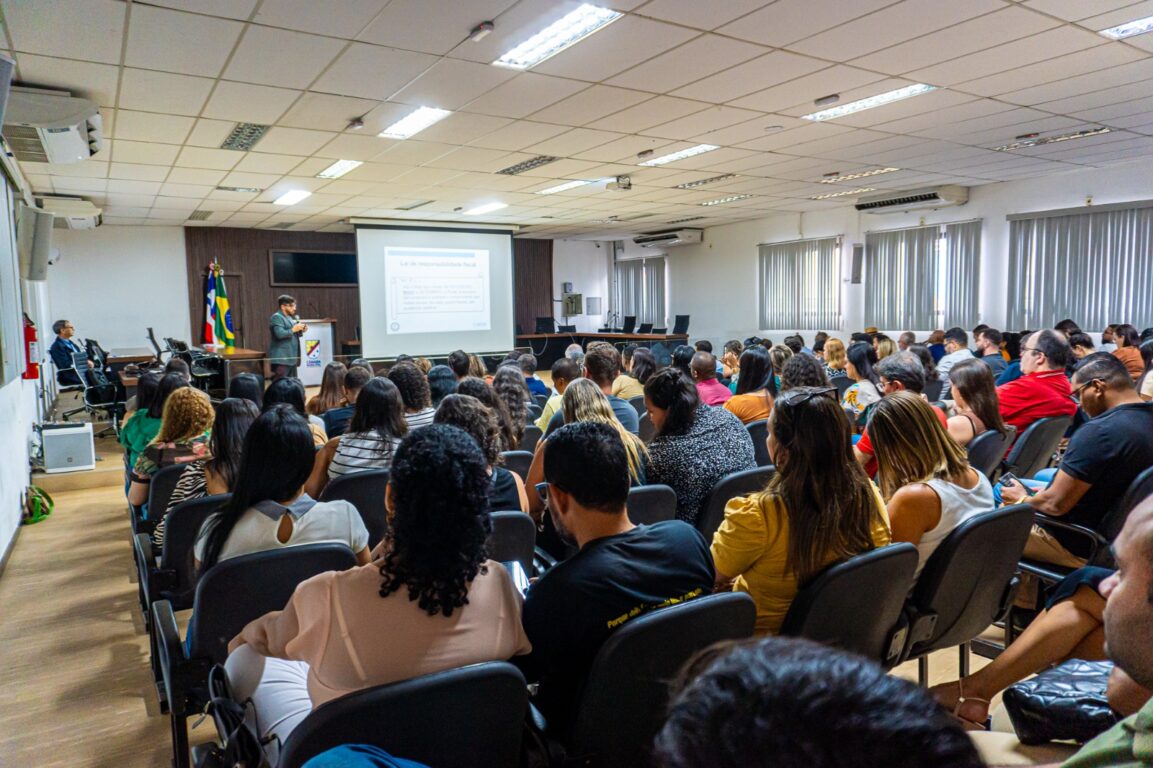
{"x": 1075, "y": 395}
{"x": 542, "y": 491}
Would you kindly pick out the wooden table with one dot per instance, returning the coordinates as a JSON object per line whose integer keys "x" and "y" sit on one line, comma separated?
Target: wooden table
{"x": 126, "y": 355}
{"x": 549, "y": 347}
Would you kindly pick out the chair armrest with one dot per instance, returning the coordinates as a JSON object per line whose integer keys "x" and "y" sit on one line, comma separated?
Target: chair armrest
{"x": 140, "y": 524}
{"x": 921, "y": 626}
{"x": 1096, "y": 540}
{"x": 542, "y": 561}
{"x": 1009, "y": 598}
{"x": 154, "y": 580}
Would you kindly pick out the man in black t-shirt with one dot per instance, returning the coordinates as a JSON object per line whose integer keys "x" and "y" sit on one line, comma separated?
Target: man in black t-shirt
{"x": 1104, "y": 456}
{"x": 621, "y": 571}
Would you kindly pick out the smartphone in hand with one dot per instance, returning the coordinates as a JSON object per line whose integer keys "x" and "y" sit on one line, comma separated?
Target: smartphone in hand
{"x": 1009, "y": 480}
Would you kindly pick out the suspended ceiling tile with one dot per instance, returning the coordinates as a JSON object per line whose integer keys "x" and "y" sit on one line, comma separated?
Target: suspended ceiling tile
{"x": 164, "y": 93}
{"x": 186, "y": 43}
{"x": 281, "y": 58}
{"x": 149, "y": 126}
{"x": 702, "y": 57}
{"x": 450, "y": 84}
{"x": 91, "y": 30}
{"x": 96, "y": 82}
{"x": 372, "y": 71}
{"x": 615, "y": 48}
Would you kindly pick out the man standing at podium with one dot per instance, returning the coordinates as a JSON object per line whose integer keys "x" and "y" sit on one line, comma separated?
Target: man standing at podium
{"x": 286, "y": 330}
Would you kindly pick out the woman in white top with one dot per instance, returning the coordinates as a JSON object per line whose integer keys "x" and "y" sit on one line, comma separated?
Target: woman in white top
{"x": 925, "y": 477}
{"x": 269, "y": 508}
{"x": 371, "y": 439}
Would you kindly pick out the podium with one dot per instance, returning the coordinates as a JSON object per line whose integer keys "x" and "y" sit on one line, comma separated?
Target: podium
{"x": 316, "y": 349}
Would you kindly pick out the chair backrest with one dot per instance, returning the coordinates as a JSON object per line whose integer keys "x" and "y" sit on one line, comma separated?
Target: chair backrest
{"x": 933, "y": 389}
{"x": 513, "y": 537}
{"x": 629, "y": 324}
{"x": 646, "y": 430}
{"x": 470, "y": 717}
{"x": 1034, "y": 448}
{"x": 681, "y": 324}
{"x": 541, "y": 400}
{"x": 645, "y": 328}
{"x": 660, "y": 331}
{"x": 625, "y": 697}
{"x": 964, "y": 583}
{"x": 856, "y": 604}
{"x": 759, "y": 433}
{"x": 842, "y": 383}
{"x": 160, "y": 488}
{"x": 1139, "y": 490}
{"x": 727, "y": 488}
{"x": 533, "y": 412}
{"x": 566, "y": 329}
{"x": 181, "y": 527}
{"x": 648, "y": 504}
{"x": 365, "y": 491}
{"x": 531, "y": 437}
{"x": 638, "y": 404}
{"x": 517, "y": 461}
{"x": 237, "y": 590}
{"x": 545, "y": 325}
{"x": 986, "y": 449}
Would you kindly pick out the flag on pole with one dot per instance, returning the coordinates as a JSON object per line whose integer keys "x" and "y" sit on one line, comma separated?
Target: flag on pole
{"x": 223, "y": 330}
{"x": 210, "y": 314}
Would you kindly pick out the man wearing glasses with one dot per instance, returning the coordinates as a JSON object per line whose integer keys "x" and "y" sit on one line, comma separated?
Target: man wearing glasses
{"x": 62, "y": 350}
{"x": 1043, "y": 390}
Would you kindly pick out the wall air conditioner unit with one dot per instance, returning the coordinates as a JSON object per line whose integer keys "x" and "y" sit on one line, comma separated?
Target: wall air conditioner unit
{"x": 669, "y": 238}
{"x": 914, "y": 199}
{"x": 44, "y": 126}
{"x": 71, "y": 212}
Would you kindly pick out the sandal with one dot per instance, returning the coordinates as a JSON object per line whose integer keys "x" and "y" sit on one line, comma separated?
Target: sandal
{"x": 955, "y": 712}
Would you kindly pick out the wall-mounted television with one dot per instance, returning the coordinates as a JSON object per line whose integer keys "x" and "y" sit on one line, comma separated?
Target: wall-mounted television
{"x": 301, "y": 267}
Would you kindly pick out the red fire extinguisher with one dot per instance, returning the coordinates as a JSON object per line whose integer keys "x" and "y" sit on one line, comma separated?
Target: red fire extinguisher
{"x": 31, "y": 349}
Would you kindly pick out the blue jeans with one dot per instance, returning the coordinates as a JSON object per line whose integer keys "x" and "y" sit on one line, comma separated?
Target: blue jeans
{"x": 1040, "y": 481}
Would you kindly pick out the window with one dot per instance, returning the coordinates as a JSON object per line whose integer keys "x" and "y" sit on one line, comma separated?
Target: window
{"x": 1092, "y": 265}
{"x": 924, "y": 277}
{"x": 640, "y": 290}
{"x": 801, "y": 284}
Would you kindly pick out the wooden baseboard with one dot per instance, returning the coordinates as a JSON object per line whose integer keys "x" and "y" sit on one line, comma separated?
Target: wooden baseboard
{"x": 9, "y": 549}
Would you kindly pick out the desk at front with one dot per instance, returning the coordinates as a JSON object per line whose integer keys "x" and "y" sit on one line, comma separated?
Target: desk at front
{"x": 550, "y": 347}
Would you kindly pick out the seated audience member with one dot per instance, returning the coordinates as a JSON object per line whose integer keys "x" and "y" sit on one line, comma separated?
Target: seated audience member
{"x": 1108, "y": 343}
{"x": 508, "y": 384}
{"x": 483, "y": 391}
{"x": 1067, "y": 327}
{"x": 956, "y": 349}
{"x": 755, "y": 388}
{"x": 1129, "y": 349}
{"x": 683, "y": 358}
{"x": 1013, "y": 343}
{"x": 176, "y": 365}
{"x": 621, "y": 571}
{"x": 62, "y": 350}
{"x": 564, "y": 372}
{"x": 695, "y": 445}
{"x": 803, "y": 371}
{"x": 141, "y": 426}
{"x": 778, "y": 702}
{"x": 780, "y": 355}
{"x": 506, "y": 489}
{"x": 632, "y": 384}
{"x": 364, "y": 363}
{"x": 247, "y": 386}
{"x": 477, "y": 368}
{"x": 1104, "y": 456}
{"x": 901, "y": 372}
{"x": 1042, "y": 390}
{"x": 864, "y": 391}
{"x": 988, "y": 344}
{"x": 535, "y": 386}
{"x": 818, "y": 508}
{"x": 936, "y": 345}
{"x": 289, "y": 391}
{"x": 182, "y": 438}
{"x": 974, "y": 402}
{"x": 434, "y": 602}
{"x": 216, "y": 473}
{"x": 835, "y": 360}
{"x": 370, "y": 440}
{"x": 884, "y": 346}
{"x": 927, "y": 362}
{"x": 906, "y": 340}
{"x": 703, "y": 345}
{"x": 575, "y": 353}
{"x": 331, "y": 393}
{"x": 269, "y": 508}
{"x": 731, "y": 359}
{"x": 414, "y": 391}
{"x": 441, "y": 383}
{"x": 1145, "y": 383}
{"x": 459, "y": 362}
{"x": 711, "y": 391}
{"x": 602, "y": 365}
{"x": 795, "y": 343}
{"x": 925, "y": 477}
{"x": 336, "y": 420}
{"x": 1081, "y": 344}
{"x": 423, "y": 364}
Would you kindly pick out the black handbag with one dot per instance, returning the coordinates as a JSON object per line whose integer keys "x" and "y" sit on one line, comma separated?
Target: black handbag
{"x": 1064, "y": 703}
{"x": 239, "y": 746}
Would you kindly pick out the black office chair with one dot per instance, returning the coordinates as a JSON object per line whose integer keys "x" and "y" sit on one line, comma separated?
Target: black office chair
{"x": 681, "y": 324}
{"x": 660, "y": 331}
{"x": 645, "y": 328}
{"x": 513, "y": 537}
{"x": 1034, "y": 449}
{"x": 545, "y": 325}
{"x": 759, "y": 433}
{"x": 541, "y": 400}
{"x": 967, "y": 584}
{"x": 532, "y": 436}
{"x": 365, "y": 491}
{"x": 933, "y": 389}
{"x": 646, "y": 430}
{"x": 566, "y": 329}
{"x": 97, "y": 400}
{"x": 987, "y": 449}
{"x": 625, "y": 700}
{"x": 856, "y": 604}
{"x": 470, "y": 717}
{"x": 728, "y": 488}
{"x": 533, "y": 412}
{"x": 638, "y": 404}
{"x": 630, "y": 324}
{"x": 517, "y": 461}
{"x": 230, "y": 595}
{"x": 842, "y": 383}
{"x": 648, "y": 504}
{"x": 160, "y": 489}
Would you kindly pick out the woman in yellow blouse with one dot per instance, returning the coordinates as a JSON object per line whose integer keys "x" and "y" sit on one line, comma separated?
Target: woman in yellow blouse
{"x": 818, "y": 509}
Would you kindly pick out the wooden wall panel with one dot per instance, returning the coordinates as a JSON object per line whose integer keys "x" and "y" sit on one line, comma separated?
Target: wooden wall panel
{"x": 243, "y": 253}
{"x": 533, "y": 290}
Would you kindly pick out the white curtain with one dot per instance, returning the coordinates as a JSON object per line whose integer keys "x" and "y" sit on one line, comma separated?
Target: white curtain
{"x": 801, "y": 284}
{"x": 639, "y": 290}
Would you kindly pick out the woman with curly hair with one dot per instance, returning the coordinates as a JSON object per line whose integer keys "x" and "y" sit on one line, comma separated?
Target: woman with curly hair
{"x": 433, "y": 589}
{"x": 510, "y": 387}
{"x": 803, "y": 371}
{"x": 415, "y": 392}
{"x": 483, "y": 391}
{"x": 506, "y": 491}
{"x": 183, "y": 438}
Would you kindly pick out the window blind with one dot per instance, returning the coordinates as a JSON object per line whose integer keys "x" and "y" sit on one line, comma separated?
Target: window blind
{"x": 639, "y": 290}
{"x": 801, "y": 284}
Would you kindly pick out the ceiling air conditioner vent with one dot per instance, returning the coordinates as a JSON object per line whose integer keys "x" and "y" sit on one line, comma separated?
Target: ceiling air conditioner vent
{"x": 44, "y": 126}
{"x": 914, "y": 199}
{"x": 199, "y": 215}
{"x": 71, "y": 212}
{"x": 669, "y": 238}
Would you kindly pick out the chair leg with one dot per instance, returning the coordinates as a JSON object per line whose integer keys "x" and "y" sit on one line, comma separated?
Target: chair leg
{"x": 963, "y": 662}
{"x": 180, "y": 756}
{"x": 923, "y": 671}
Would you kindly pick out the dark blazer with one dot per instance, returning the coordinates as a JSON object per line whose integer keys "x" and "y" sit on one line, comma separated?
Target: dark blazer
{"x": 61, "y": 352}
{"x": 285, "y": 349}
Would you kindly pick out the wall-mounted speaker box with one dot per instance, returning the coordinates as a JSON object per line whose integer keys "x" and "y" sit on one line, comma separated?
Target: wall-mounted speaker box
{"x": 34, "y": 242}
{"x": 858, "y": 262}
{"x": 566, "y": 288}
{"x": 7, "y": 67}
{"x": 67, "y": 447}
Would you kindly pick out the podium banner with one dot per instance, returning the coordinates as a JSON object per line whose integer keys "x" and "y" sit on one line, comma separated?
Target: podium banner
{"x": 315, "y": 351}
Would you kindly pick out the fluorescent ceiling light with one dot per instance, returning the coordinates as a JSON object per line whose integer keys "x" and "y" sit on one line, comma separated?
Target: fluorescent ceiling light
{"x": 338, "y": 169}
{"x": 414, "y": 123}
{"x": 845, "y": 193}
{"x": 873, "y": 101}
{"x": 702, "y": 182}
{"x": 682, "y": 221}
{"x": 566, "y": 186}
{"x": 1041, "y": 140}
{"x": 480, "y": 210}
{"x": 240, "y": 189}
{"x": 729, "y": 199}
{"x": 244, "y": 136}
{"x": 528, "y": 165}
{"x": 699, "y": 149}
{"x": 858, "y": 175}
{"x": 1129, "y": 29}
{"x": 291, "y": 197}
{"x": 559, "y": 35}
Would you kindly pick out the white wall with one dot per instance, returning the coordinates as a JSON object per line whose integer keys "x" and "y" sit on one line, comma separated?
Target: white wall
{"x": 585, "y": 264}
{"x": 716, "y": 282}
{"x": 17, "y": 411}
{"x": 113, "y": 282}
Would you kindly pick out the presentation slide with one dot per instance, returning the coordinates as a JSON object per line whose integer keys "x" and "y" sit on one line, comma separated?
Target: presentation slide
{"x": 428, "y": 291}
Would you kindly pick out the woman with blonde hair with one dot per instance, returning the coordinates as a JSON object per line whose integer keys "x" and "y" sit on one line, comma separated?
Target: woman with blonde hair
{"x": 835, "y": 359}
{"x": 183, "y": 438}
{"x": 924, "y": 474}
{"x": 331, "y": 393}
{"x": 780, "y": 355}
{"x": 884, "y": 345}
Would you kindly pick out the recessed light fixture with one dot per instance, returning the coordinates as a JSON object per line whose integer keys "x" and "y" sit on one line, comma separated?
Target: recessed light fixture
{"x": 1129, "y": 29}
{"x": 338, "y": 169}
{"x": 253, "y": 190}
{"x": 832, "y": 98}
{"x": 355, "y": 124}
{"x": 244, "y": 136}
{"x": 833, "y": 178}
{"x": 481, "y": 31}
{"x": 291, "y": 197}
{"x": 413, "y": 205}
{"x": 702, "y": 182}
{"x": 554, "y": 38}
{"x": 414, "y": 122}
{"x": 480, "y": 210}
{"x": 699, "y": 149}
{"x": 1038, "y": 141}
{"x": 774, "y": 128}
{"x": 879, "y": 100}
{"x": 565, "y": 187}
{"x": 844, "y": 193}
{"x": 528, "y": 165}
{"x": 729, "y": 199}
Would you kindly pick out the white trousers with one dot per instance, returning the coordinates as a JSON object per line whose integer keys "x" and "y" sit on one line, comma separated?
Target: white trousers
{"x": 279, "y": 693}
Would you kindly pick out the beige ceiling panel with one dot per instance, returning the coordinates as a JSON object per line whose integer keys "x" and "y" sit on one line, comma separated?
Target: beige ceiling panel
{"x": 476, "y": 159}
{"x": 1008, "y": 56}
{"x": 186, "y": 43}
{"x": 518, "y": 135}
{"x": 428, "y": 25}
{"x": 787, "y": 21}
{"x": 281, "y": 58}
{"x": 589, "y": 105}
{"x": 625, "y": 148}
{"x": 573, "y": 142}
{"x": 1061, "y": 68}
{"x": 1101, "y": 86}
{"x": 693, "y": 13}
{"x": 414, "y": 152}
{"x": 343, "y": 19}
{"x": 96, "y": 82}
{"x": 185, "y": 190}
{"x": 293, "y": 141}
{"x": 249, "y": 103}
{"x": 177, "y": 203}
{"x": 464, "y": 128}
{"x": 130, "y": 187}
{"x": 137, "y": 172}
{"x": 195, "y": 176}
{"x": 526, "y": 93}
{"x": 76, "y": 185}
{"x": 257, "y": 180}
{"x": 650, "y": 114}
{"x": 835, "y": 79}
{"x": 615, "y": 48}
{"x": 375, "y": 172}
{"x": 353, "y": 146}
{"x": 91, "y": 30}
{"x": 260, "y": 162}
{"x": 697, "y": 59}
{"x": 712, "y": 118}
{"x": 213, "y": 159}
{"x": 917, "y": 111}
{"x": 372, "y": 71}
{"x": 210, "y": 133}
{"x": 145, "y": 152}
{"x": 161, "y": 92}
{"x": 320, "y": 111}
{"x": 450, "y": 84}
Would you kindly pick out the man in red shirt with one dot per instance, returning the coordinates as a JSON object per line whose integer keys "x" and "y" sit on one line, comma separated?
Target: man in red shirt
{"x": 1043, "y": 390}
{"x": 704, "y": 368}
{"x": 901, "y": 372}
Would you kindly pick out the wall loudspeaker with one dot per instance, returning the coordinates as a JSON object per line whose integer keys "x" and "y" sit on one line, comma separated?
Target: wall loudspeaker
{"x": 858, "y": 263}
{"x": 34, "y": 242}
{"x": 566, "y": 288}
{"x": 7, "y": 67}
